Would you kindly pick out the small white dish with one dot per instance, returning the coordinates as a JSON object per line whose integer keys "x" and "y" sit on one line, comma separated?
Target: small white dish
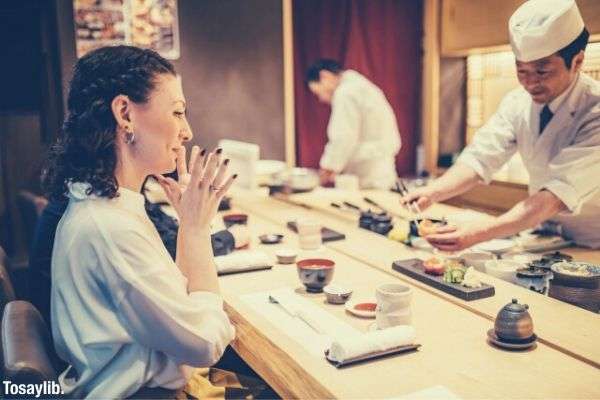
{"x": 351, "y": 308}
{"x": 286, "y": 256}
{"x": 496, "y": 246}
{"x": 503, "y": 269}
{"x": 336, "y": 294}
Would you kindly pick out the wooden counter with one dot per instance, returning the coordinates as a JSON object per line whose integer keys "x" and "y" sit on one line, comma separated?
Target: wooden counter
{"x": 454, "y": 352}
{"x": 568, "y": 329}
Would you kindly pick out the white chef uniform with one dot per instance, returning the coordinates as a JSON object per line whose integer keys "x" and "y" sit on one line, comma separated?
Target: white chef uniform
{"x": 565, "y": 157}
{"x": 363, "y": 133}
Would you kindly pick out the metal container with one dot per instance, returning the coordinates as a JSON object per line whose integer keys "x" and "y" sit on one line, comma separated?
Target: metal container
{"x": 534, "y": 278}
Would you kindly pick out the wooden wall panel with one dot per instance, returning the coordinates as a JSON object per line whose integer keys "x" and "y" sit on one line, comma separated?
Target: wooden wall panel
{"x": 471, "y": 26}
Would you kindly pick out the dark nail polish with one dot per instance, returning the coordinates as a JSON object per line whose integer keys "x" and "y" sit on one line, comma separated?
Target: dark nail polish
{"x": 219, "y": 151}
{"x": 226, "y": 161}
{"x": 203, "y": 152}
{"x": 234, "y": 176}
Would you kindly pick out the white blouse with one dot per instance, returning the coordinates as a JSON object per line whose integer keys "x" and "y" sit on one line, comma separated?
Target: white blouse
{"x": 121, "y": 313}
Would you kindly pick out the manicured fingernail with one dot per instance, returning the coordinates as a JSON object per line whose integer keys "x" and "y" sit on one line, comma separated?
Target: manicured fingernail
{"x": 219, "y": 151}
{"x": 226, "y": 161}
{"x": 203, "y": 152}
{"x": 234, "y": 176}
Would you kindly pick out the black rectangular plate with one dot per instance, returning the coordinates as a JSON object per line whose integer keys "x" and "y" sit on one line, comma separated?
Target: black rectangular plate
{"x": 414, "y": 268}
{"x": 328, "y": 235}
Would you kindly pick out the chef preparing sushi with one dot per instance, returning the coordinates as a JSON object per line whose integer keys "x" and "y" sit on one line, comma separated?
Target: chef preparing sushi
{"x": 552, "y": 120}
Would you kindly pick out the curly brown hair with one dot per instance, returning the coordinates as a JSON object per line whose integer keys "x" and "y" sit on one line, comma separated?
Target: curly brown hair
{"x": 86, "y": 152}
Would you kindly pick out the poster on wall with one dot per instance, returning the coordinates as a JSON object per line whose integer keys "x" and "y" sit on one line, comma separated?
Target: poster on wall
{"x": 149, "y": 24}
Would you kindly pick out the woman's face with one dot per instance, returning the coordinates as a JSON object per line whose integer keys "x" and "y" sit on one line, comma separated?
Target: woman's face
{"x": 160, "y": 126}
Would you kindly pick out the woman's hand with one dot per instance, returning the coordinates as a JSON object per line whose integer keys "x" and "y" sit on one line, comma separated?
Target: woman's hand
{"x": 197, "y": 194}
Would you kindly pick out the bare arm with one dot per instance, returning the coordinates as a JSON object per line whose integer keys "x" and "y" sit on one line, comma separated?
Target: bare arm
{"x": 457, "y": 180}
{"x": 525, "y": 214}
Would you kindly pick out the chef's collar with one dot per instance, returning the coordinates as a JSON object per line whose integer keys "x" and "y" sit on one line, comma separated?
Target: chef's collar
{"x": 555, "y": 104}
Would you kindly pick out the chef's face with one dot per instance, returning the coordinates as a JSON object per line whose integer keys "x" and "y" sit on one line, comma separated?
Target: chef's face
{"x": 545, "y": 79}
{"x": 325, "y": 86}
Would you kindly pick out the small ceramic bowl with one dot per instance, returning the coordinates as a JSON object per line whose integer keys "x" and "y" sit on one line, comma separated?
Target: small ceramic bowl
{"x": 286, "y": 256}
{"x": 271, "y": 238}
{"x": 477, "y": 259}
{"x": 503, "y": 269}
{"x": 337, "y": 294}
{"x": 315, "y": 273}
{"x": 232, "y": 219}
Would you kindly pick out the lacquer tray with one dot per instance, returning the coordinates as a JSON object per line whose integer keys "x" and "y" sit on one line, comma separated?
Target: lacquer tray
{"x": 414, "y": 268}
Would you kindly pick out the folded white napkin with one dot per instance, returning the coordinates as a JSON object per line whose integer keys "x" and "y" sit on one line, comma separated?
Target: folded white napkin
{"x": 242, "y": 259}
{"x": 346, "y": 348}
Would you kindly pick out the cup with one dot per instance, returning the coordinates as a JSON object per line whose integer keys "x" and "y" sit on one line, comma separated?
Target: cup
{"x": 393, "y": 305}
{"x": 309, "y": 234}
{"x": 347, "y": 182}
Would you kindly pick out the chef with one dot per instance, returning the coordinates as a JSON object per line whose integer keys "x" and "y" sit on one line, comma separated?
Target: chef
{"x": 363, "y": 137}
{"x": 552, "y": 120}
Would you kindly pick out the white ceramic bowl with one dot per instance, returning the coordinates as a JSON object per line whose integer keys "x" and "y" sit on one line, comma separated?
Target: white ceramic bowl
{"x": 503, "y": 269}
{"x": 286, "y": 256}
{"x": 524, "y": 258}
{"x": 477, "y": 259}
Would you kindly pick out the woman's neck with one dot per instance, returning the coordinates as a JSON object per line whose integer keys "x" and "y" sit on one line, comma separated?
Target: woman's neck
{"x": 128, "y": 174}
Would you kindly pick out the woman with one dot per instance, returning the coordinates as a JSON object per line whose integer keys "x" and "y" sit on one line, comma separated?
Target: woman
{"x": 124, "y": 314}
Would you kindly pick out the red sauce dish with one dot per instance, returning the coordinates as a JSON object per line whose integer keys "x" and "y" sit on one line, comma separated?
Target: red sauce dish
{"x": 365, "y": 306}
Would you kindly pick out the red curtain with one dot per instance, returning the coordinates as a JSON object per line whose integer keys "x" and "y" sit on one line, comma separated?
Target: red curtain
{"x": 380, "y": 39}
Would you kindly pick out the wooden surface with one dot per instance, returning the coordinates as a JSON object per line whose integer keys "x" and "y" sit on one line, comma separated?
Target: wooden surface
{"x": 569, "y": 329}
{"x": 454, "y": 353}
{"x": 469, "y": 26}
{"x": 288, "y": 83}
{"x": 430, "y": 100}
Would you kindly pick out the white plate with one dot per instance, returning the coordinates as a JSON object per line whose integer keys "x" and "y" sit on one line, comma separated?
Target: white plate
{"x": 360, "y": 313}
{"x": 496, "y": 246}
{"x": 420, "y": 243}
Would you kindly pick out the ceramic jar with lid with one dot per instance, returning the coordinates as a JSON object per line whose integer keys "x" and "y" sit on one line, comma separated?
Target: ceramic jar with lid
{"x": 366, "y": 219}
{"x": 534, "y": 278}
{"x": 381, "y": 224}
{"x": 513, "y": 323}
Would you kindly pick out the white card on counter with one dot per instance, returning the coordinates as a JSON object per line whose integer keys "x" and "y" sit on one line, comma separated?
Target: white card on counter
{"x": 438, "y": 392}
{"x": 295, "y": 327}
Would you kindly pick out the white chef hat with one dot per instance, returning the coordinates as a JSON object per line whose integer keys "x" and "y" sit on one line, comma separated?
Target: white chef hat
{"x": 540, "y": 28}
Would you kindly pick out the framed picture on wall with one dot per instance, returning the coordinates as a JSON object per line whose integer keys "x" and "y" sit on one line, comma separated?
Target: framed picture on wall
{"x": 144, "y": 23}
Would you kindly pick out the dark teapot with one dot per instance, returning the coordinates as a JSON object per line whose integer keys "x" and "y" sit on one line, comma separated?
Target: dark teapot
{"x": 513, "y": 323}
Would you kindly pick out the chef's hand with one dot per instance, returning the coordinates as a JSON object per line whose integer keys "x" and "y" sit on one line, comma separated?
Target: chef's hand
{"x": 241, "y": 235}
{"x": 422, "y": 197}
{"x": 326, "y": 177}
{"x": 453, "y": 238}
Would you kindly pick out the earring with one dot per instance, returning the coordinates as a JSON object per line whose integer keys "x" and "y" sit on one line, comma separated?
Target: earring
{"x": 129, "y": 135}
